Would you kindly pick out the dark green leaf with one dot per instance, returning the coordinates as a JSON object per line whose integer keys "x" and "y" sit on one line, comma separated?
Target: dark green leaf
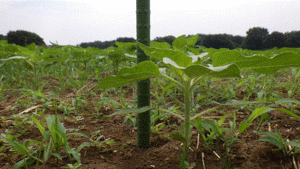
{"x": 126, "y": 111}
{"x": 223, "y": 71}
{"x": 142, "y": 71}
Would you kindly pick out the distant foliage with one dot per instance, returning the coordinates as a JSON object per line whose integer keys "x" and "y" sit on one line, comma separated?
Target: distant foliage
{"x": 24, "y": 38}
{"x": 169, "y": 39}
{"x": 275, "y": 39}
{"x": 2, "y": 37}
{"x": 255, "y": 37}
{"x": 293, "y": 39}
{"x": 125, "y": 39}
{"x": 237, "y": 40}
{"x": 218, "y": 41}
{"x": 97, "y": 44}
{"x": 106, "y": 44}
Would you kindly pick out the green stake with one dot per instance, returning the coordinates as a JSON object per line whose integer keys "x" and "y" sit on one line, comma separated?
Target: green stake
{"x": 143, "y": 86}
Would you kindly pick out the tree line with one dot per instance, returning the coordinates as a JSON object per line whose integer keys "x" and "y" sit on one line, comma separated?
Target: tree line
{"x": 257, "y": 38}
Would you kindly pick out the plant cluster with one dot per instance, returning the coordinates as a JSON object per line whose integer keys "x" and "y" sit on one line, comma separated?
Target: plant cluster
{"x": 188, "y": 79}
{"x": 184, "y": 60}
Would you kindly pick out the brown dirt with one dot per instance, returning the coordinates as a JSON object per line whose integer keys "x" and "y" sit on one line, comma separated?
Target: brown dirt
{"x": 247, "y": 153}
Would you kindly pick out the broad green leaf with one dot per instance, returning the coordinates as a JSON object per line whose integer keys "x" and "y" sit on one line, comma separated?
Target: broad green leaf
{"x": 171, "y": 62}
{"x": 178, "y": 57}
{"x": 260, "y": 64}
{"x": 294, "y": 50}
{"x": 126, "y": 111}
{"x": 179, "y": 43}
{"x": 191, "y": 41}
{"x": 196, "y": 57}
{"x": 194, "y": 71}
{"x": 282, "y": 60}
{"x": 234, "y": 56}
{"x": 175, "y": 68}
{"x": 193, "y": 51}
{"x": 141, "y": 71}
{"x": 31, "y": 47}
{"x": 160, "y": 45}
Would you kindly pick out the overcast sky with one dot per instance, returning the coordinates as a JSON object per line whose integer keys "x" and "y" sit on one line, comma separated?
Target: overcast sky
{"x": 75, "y": 21}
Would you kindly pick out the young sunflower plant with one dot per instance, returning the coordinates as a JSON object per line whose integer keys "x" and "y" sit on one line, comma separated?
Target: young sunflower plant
{"x": 184, "y": 60}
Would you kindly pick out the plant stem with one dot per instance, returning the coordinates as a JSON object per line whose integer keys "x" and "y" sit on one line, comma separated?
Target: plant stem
{"x": 187, "y": 103}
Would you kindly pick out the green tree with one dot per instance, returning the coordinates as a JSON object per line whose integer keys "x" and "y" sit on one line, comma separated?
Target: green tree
{"x": 255, "y": 37}
{"x": 293, "y": 39}
{"x": 217, "y": 41}
{"x": 275, "y": 39}
{"x": 24, "y": 38}
{"x": 237, "y": 40}
{"x": 125, "y": 39}
{"x": 169, "y": 39}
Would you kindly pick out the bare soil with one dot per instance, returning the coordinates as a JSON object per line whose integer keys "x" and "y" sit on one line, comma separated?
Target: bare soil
{"x": 247, "y": 153}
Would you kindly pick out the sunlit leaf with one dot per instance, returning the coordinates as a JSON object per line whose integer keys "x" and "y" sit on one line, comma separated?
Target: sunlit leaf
{"x": 223, "y": 71}
{"x": 141, "y": 71}
{"x": 260, "y": 64}
{"x": 179, "y": 43}
{"x": 160, "y": 45}
{"x": 191, "y": 41}
{"x": 178, "y": 57}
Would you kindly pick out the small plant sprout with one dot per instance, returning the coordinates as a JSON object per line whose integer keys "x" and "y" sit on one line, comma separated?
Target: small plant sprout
{"x": 95, "y": 141}
{"x": 277, "y": 140}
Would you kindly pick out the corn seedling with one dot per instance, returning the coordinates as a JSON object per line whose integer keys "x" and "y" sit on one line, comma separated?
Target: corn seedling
{"x": 95, "y": 141}
{"x": 53, "y": 139}
{"x": 277, "y": 140}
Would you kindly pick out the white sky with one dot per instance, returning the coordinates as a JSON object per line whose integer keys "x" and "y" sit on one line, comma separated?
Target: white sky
{"x": 76, "y": 21}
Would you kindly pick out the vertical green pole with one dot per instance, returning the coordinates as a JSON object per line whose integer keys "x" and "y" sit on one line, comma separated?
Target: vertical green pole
{"x": 143, "y": 87}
